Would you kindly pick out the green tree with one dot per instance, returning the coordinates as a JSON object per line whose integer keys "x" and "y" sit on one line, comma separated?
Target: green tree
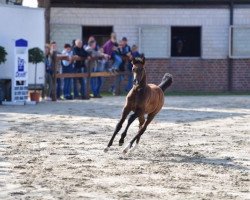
{"x": 3, "y": 54}
{"x": 36, "y": 56}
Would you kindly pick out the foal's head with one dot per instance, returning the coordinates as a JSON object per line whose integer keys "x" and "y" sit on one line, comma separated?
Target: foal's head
{"x": 138, "y": 69}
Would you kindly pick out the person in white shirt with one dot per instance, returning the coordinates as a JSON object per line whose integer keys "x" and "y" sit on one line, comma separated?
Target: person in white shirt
{"x": 67, "y": 67}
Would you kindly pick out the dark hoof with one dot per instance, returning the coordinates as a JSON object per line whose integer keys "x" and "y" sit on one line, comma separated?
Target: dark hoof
{"x": 121, "y": 143}
{"x": 106, "y": 150}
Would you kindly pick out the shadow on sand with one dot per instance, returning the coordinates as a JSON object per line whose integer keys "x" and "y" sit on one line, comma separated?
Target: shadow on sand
{"x": 112, "y": 110}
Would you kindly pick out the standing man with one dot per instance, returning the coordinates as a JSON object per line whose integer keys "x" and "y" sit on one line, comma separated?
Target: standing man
{"x": 53, "y": 48}
{"x": 49, "y": 72}
{"x": 79, "y": 56}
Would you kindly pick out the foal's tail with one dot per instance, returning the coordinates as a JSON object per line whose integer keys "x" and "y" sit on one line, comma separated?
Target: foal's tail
{"x": 166, "y": 81}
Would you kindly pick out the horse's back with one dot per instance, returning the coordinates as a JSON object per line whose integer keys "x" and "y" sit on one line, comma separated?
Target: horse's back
{"x": 156, "y": 99}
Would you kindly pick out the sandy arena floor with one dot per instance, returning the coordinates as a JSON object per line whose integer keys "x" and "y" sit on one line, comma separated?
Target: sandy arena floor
{"x": 196, "y": 148}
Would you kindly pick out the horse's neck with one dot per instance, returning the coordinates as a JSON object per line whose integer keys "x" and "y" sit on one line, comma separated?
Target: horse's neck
{"x": 142, "y": 85}
{"x": 143, "y": 82}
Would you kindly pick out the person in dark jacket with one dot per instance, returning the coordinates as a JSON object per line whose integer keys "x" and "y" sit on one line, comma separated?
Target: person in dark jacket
{"x": 48, "y": 74}
{"x": 79, "y": 56}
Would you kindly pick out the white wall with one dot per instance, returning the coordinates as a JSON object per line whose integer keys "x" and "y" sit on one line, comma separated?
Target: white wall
{"x": 21, "y": 22}
{"x": 126, "y": 22}
{"x": 242, "y": 15}
{"x": 65, "y": 33}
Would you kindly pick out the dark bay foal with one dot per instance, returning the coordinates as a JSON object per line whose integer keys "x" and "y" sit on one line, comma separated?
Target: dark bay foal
{"x": 143, "y": 99}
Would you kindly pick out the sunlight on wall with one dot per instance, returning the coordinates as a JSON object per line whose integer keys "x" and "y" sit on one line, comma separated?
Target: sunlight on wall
{"x": 30, "y": 3}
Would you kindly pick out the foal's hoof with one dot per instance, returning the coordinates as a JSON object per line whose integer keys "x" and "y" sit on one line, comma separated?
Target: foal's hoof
{"x": 134, "y": 147}
{"x": 121, "y": 143}
{"x": 125, "y": 151}
{"x": 127, "y": 148}
{"x": 106, "y": 150}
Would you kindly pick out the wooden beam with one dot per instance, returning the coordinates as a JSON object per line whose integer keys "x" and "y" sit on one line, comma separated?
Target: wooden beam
{"x": 54, "y": 69}
{"x": 93, "y": 74}
{"x": 55, "y": 63}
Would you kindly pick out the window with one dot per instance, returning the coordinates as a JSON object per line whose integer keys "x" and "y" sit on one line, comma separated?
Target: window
{"x": 185, "y": 41}
{"x": 239, "y": 43}
{"x": 154, "y": 41}
{"x": 101, "y": 33}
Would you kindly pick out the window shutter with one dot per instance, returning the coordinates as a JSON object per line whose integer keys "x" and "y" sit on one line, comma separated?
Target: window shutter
{"x": 154, "y": 41}
{"x": 239, "y": 42}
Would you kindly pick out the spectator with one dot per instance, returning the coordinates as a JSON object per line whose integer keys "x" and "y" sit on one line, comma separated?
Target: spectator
{"x": 79, "y": 56}
{"x": 73, "y": 44}
{"x": 125, "y": 52}
{"x": 111, "y": 48}
{"x": 67, "y": 68}
{"x": 96, "y": 66}
{"x": 53, "y": 48}
{"x": 119, "y": 78}
{"x": 48, "y": 73}
{"x": 134, "y": 54}
{"x": 92, "y": 38}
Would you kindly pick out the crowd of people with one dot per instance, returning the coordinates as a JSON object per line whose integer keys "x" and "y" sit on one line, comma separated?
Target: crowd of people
{"x": 114, "y": 56}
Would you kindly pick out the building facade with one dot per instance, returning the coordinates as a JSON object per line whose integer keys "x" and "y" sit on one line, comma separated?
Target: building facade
{"x": 205, "y": 46}
{"x": 24, "y": 23}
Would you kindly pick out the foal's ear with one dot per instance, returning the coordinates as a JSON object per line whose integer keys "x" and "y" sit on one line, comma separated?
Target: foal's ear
{"x": 133, "y": 61}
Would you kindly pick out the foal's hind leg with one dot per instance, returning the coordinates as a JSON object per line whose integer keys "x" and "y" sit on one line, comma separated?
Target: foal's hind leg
{"x": 125, "y": 113}
{"x": 130, "y": 121}
{"x": 139, "y": 134}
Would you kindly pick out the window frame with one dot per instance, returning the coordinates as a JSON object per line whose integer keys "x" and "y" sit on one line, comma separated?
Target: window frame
{"x": 201, "y": 44}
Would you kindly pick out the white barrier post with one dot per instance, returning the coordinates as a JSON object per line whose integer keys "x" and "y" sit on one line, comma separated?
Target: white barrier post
{"x": 20, "y": 73}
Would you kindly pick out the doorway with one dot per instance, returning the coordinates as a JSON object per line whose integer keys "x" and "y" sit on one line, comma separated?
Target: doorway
{"x": 101, "y": 33}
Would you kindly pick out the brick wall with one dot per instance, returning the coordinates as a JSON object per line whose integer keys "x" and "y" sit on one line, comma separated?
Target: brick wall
{"x": 190, "y": 74}
{"x": 241, "y": 75}
{"x": 206, "y": 75}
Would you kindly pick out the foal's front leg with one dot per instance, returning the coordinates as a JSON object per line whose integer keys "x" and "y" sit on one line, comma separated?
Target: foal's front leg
{"x": 125, "y": 113}
{"x": 139, "y": 134}
{"x": 130, "y": 121}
